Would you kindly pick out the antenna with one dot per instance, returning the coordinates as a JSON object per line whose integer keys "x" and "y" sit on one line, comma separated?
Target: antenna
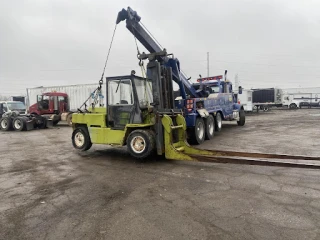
{"x": 207, "y": 64}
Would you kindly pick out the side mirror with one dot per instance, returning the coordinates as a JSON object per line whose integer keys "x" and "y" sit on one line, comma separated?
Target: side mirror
{"x": 240, "y": 90}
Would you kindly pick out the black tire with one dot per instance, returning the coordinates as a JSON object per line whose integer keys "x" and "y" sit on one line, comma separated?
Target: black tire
{"x": 69, "y": 119}
{"x": 293, "y": 106}
{"x": 19, "y": 124}
{"x": 141, "y": 143}
{"x": 242, "y": 118}
{"x": 265, "y": 108}
{"x": 43, "y": 123}
{"x": 54, "y": 123}
{"x": 5, "y": 124}
{"x": 197, "y": 133}
{"x": 218, "y": 122}
{"x": 210, "y": 127}
{"x": 81, "y": 139}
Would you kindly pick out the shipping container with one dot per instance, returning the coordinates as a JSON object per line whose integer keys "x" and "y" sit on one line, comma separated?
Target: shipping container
{"x": 77, "y": 94}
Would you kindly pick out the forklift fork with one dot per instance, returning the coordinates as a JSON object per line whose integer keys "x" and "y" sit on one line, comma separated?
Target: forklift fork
{"x": 180, "y": 149}
{"x": 177, "y": 148}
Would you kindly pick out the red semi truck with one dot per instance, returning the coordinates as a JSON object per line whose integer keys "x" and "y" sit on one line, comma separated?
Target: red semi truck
{"x": 53, "y": 105}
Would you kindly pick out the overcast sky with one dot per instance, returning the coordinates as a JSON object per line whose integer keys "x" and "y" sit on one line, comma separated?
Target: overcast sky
{"x": 267, "y": 43}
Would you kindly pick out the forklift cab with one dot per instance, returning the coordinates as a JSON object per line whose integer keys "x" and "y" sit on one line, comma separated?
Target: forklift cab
{"x": 127, "y": 97}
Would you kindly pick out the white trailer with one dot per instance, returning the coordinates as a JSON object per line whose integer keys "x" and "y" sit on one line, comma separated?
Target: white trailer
{"x": 246, "y": 100}
{"x": 295, "y": 100}
{"x": 77, "y": 94}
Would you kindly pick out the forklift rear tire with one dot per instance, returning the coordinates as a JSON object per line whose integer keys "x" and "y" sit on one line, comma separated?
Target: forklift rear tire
{"x": 242, "y": 118}
{"x": 218, "y": 122}
{"x": 81, "y": 139}
{"x": 19, "y": 124}
{"x": 209, "y": 122}
{"x": 140, "y": 143}
{"x": 5, "y": 124}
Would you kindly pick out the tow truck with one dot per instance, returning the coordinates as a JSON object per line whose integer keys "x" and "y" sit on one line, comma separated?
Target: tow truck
{"x": 206, "y": 103}
{"x": 140, "y": 113}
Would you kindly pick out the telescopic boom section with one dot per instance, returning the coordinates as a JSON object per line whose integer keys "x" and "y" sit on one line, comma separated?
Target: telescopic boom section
{"x": 133, "y": 25}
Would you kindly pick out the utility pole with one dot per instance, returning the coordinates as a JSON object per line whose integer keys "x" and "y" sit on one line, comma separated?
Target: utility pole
{"x": 207, "y": 64}
{"x": 236, "y": 81}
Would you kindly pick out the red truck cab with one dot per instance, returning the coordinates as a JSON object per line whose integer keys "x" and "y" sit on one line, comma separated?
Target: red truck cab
{"x": 54, "y": 104}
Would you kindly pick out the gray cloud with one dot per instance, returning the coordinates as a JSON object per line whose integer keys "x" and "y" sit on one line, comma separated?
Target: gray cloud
{"x": 267, "y": 43}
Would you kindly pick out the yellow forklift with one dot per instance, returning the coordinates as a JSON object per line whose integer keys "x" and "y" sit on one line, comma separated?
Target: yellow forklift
{"x": 139, "y": 113}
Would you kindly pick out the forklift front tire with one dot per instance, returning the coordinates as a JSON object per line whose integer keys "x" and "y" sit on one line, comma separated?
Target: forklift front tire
{"x": 140, "y": 143}
{"x": 81, "y": 139}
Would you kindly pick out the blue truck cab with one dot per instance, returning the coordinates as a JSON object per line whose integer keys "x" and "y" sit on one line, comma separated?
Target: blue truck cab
{"x": 204, "y": 115}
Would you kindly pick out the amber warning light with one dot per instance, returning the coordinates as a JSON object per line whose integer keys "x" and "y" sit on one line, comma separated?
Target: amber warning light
{"x": 210, "y": 78}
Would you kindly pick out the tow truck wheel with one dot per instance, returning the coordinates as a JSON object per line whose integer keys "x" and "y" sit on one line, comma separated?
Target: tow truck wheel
{"x": 218, "y": 122}
{"x": 5, "y": 124}
{"x": 81, "y": 139}
{"x": 242, "y": 118}
{"x": 19, "y": 124}
{"x": 209, "y": 121}
{"x": 197, "y": 133}
{"x": 140, "y": 143}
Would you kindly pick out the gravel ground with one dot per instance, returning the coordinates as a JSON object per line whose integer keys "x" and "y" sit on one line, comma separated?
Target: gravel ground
{"x": 50, "y": 191}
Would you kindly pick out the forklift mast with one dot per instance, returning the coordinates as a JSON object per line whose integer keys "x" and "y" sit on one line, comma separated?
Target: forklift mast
{"x": 145, "y": 38}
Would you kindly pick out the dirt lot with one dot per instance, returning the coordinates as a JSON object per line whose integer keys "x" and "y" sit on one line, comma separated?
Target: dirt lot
{"x": 49, "y": 191}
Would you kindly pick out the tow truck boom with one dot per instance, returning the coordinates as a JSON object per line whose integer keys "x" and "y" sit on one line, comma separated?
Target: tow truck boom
{"x": 146, "y": 39}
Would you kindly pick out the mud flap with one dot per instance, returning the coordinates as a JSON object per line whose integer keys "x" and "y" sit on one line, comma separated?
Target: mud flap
{"x": 203, "y": 113}
{"x": 49, "y": 123}
{"x": 29, "y": 125}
